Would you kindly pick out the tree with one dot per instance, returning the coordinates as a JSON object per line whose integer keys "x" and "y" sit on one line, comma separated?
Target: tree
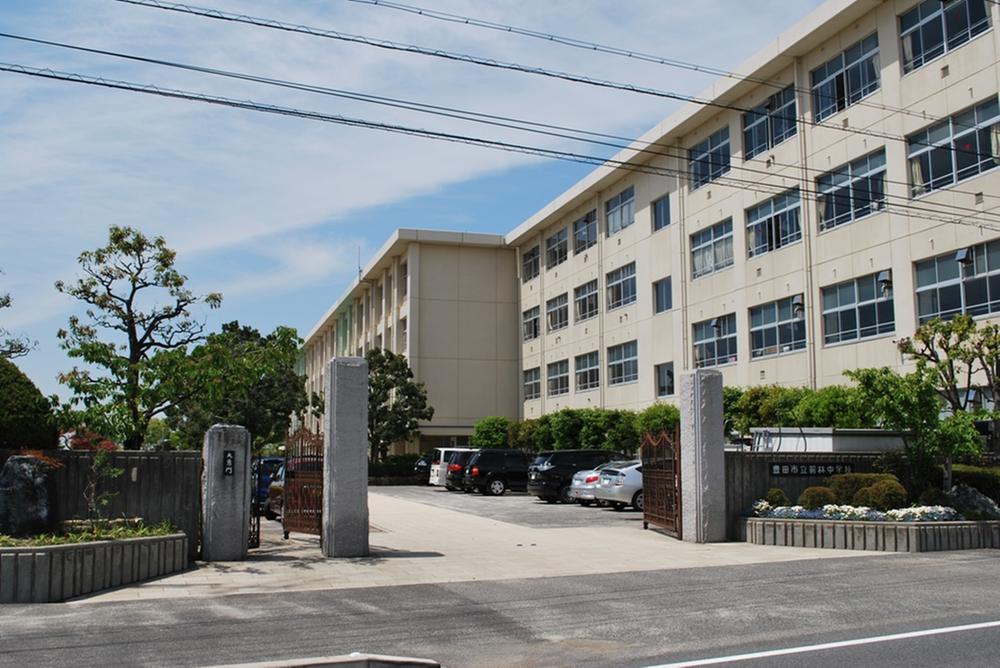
{"x": 144, "y": 364}
{"x": 396, "y": 403}
{"x": 833, "y": 406}
{"x": 492, "y": 431}
{"x": 26, "y": 420}
{"x": 243, "y": 378}
{"x": 12, "y": 346}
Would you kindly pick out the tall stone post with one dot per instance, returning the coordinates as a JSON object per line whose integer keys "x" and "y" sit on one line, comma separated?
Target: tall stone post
{"x": 225, "y": 493}
{"x": 345, "y": 459}
{"x": 703, "y": 462}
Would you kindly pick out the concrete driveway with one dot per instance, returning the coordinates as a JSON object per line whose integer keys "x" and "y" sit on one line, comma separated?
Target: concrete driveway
{"x": 428, "y": 535}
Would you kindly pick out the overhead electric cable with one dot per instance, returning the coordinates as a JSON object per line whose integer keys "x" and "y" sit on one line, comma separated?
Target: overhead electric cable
{"x": 805, "y": 193}
{"x": 486, "y": 62}
{"x": 612, "y": 50}
{"x": 448, "y": 112}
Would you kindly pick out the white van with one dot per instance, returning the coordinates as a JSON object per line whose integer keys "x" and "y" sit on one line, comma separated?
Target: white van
{"x": 439, "y": 465}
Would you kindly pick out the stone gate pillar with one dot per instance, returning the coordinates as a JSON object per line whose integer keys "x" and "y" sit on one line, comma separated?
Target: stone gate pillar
{"x": 345, "y": 458}
{"x": 225, "y": 493}
{"x": 703, "y": 463}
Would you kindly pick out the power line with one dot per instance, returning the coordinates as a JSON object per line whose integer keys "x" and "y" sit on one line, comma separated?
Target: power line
{"x": 460, "y": 57}
{"x": 611, "y": 50}
{"x": 805, "y": 193}
{"x": 448, "y": 112}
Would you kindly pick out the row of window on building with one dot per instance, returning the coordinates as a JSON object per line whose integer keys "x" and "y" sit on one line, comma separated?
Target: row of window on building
{"x": 966, "y": 281}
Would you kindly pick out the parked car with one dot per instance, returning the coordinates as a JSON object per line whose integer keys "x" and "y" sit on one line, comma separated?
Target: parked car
{"x": 621, "y": 485}
{"x": 453, "y": 479}
{"x": 275, "y": 494}
{"x": 493, "y": 471}
{"x": 584, "y": 482}
{"x": 550, "y": 476}
{"x": 267, "y": 467}
{"x": 439, "y": 465}
{"x": 422, "y": 467}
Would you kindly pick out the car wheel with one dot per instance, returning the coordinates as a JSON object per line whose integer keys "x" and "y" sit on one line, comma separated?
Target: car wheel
{"x": 548, "y": 499}
{"x": 618, "y": 505}
{"x": 585, "y": 503}
{"x": 467, "y": 490}
{"x": 450, "y": 488}
{"x": 601, "y": 503}
{"x": 564, "y": 495}
{"x": 496, "y": 487}
{"x": 637, "y": 501}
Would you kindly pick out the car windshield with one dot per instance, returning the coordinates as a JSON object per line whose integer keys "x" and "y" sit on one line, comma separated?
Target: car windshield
{"x": 541, "y": 459}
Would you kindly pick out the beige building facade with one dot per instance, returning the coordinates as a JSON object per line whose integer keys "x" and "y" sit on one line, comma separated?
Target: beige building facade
{"x": 448, "y": 302}
{"x": 792, "y": 224}
{"x": 813, "y": 213}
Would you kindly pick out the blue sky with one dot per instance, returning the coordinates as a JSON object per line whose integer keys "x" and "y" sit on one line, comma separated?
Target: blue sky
{"x": 272, "y": 211}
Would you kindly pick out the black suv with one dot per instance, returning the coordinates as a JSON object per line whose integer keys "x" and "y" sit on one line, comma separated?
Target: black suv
{"x": 453, "y": 479}
{"x": 551, "y": 474}
{"x": 493, "y": 471}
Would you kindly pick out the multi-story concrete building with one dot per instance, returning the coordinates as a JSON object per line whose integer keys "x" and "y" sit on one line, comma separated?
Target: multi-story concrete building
{"x": 793, "y": 223}
{"x": 448, "y": 302}
{"x": 817, "y": 208}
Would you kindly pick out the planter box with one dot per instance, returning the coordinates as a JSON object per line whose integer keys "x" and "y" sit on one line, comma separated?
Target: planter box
{"x": 874, "y": 536}
{"x": 53, "y": 573}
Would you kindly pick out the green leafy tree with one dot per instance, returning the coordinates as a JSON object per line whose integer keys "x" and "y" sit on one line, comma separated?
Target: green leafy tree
{"x": 491, "y": 432}
{"x": 730, "y": 399}
{"x": 658, "y": 418}
{"x": 766, "y": 406}
{"x": 244, "y": 378}
{"x": 834, "y": 406}
{"x": 396, "y": 403}
{"x": 135, "y": 298}
{"x": 26, "y": 419}
{"x": 12, "y": 346}
{"x": 566, "y": 425}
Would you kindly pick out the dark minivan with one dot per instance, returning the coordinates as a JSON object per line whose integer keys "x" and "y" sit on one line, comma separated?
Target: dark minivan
{"x": 551, "y": 474}
{"x": 453, "y": 479}
{"x": 493, "y": 471}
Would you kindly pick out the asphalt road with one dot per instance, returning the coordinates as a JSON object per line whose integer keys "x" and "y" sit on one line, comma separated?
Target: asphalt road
{"x": 628, "y": 619}
{"x": 517, "y": 508}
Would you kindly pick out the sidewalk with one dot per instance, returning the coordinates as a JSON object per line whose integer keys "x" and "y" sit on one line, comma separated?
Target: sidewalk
{"x": 415, "y": 543}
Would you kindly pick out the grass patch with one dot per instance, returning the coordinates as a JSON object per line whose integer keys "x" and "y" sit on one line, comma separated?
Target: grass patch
{"x": 88, "y": 533}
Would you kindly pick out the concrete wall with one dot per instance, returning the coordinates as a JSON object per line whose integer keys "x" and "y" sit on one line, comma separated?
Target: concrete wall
{"x": 794, "y": 439}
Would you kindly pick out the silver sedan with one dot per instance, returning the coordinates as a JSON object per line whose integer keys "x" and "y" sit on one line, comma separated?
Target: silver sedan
{"x": 621, "y": 485}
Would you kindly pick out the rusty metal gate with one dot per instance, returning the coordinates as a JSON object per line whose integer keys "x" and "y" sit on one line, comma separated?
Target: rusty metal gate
{"x": 661, "y": 481}
{"x": 254, "y": 536}
{"x": 302, "y": 496}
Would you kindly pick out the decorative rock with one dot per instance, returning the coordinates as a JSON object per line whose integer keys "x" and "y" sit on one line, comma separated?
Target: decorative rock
{"x": 966, "y": 499}
{"x": 25, "y": 499}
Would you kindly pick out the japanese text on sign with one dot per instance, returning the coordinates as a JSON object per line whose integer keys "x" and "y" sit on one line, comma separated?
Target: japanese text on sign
{"x": 803, "y": 469}
{"x": 228, "y": 462}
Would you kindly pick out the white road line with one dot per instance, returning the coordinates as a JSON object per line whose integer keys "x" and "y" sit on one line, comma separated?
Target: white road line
{"x": 829, "y": 645}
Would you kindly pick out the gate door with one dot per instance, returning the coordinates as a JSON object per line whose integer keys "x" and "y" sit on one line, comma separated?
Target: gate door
{"x": 302, "y": 496}
{"x": 661, "y": 481}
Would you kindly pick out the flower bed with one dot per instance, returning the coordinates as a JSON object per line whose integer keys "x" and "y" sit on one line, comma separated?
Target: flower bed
{"x": 49, "y": 573}
{"x": 881, "y": 536}
{"x": 857, "y": 513}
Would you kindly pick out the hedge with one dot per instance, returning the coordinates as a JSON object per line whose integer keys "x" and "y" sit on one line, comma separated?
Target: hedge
{"x": 26, "y": 420}
{"x": 986, "y": 479}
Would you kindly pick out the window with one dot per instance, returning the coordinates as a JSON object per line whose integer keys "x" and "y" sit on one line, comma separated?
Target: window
{"x": 933, "y": 28}
{"x": 777, "y": 327}
{"x": 846, "y": 79}
{"x": 715, "y": 341}
{"x": 619, "y": 211}
{"x": 664, "y": 379}
{"x": 585, "y": 300}
{"x": 621, "y": 286}
{"x": 851, "y": 191}
{"x": 530, "y": 324}
{"x": 530, "y": 264}
{"x": 773, "y": 224}
{"x": 769, "y": 124}
{"x": 623, "y": 363}
{"x": 404, "y": 284}
{"x": 661, "y": 213}
{"x": 556, "y": 248}
{"x": 858, "y": 309}
{"x": 558, "y": 377}
{"x": 532, "y": 383}
{"x": 709, "y": 160}
{"x": 585, "y": 232}
{"x": 588, "y": 371}
{"x": 712, "y": 249}
{"x": 402, "y": 334}
{"x": 557, "y": 312}
{"x": 663, "y": 299}
{"x": 955, "y": 149}
{"x": 966, "y": 281}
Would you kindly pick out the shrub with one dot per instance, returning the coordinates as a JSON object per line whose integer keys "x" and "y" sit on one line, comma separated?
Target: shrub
{"x": 393, "y": 466}
{"x": 833, "y": 406}
{"x": 984, "y": 478}
{"x": 657, "y": 418}
{"x": 25, "y": 415}
{"x": 491, "y": 432}
{"x": 883, "y": 495}
{"x": 846, "y": 485}
{"x": 933, "y": 496}
{"x": 817, "y": 497}
{"x": 776, "y": 497}
{"x": 566, "y": 425}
